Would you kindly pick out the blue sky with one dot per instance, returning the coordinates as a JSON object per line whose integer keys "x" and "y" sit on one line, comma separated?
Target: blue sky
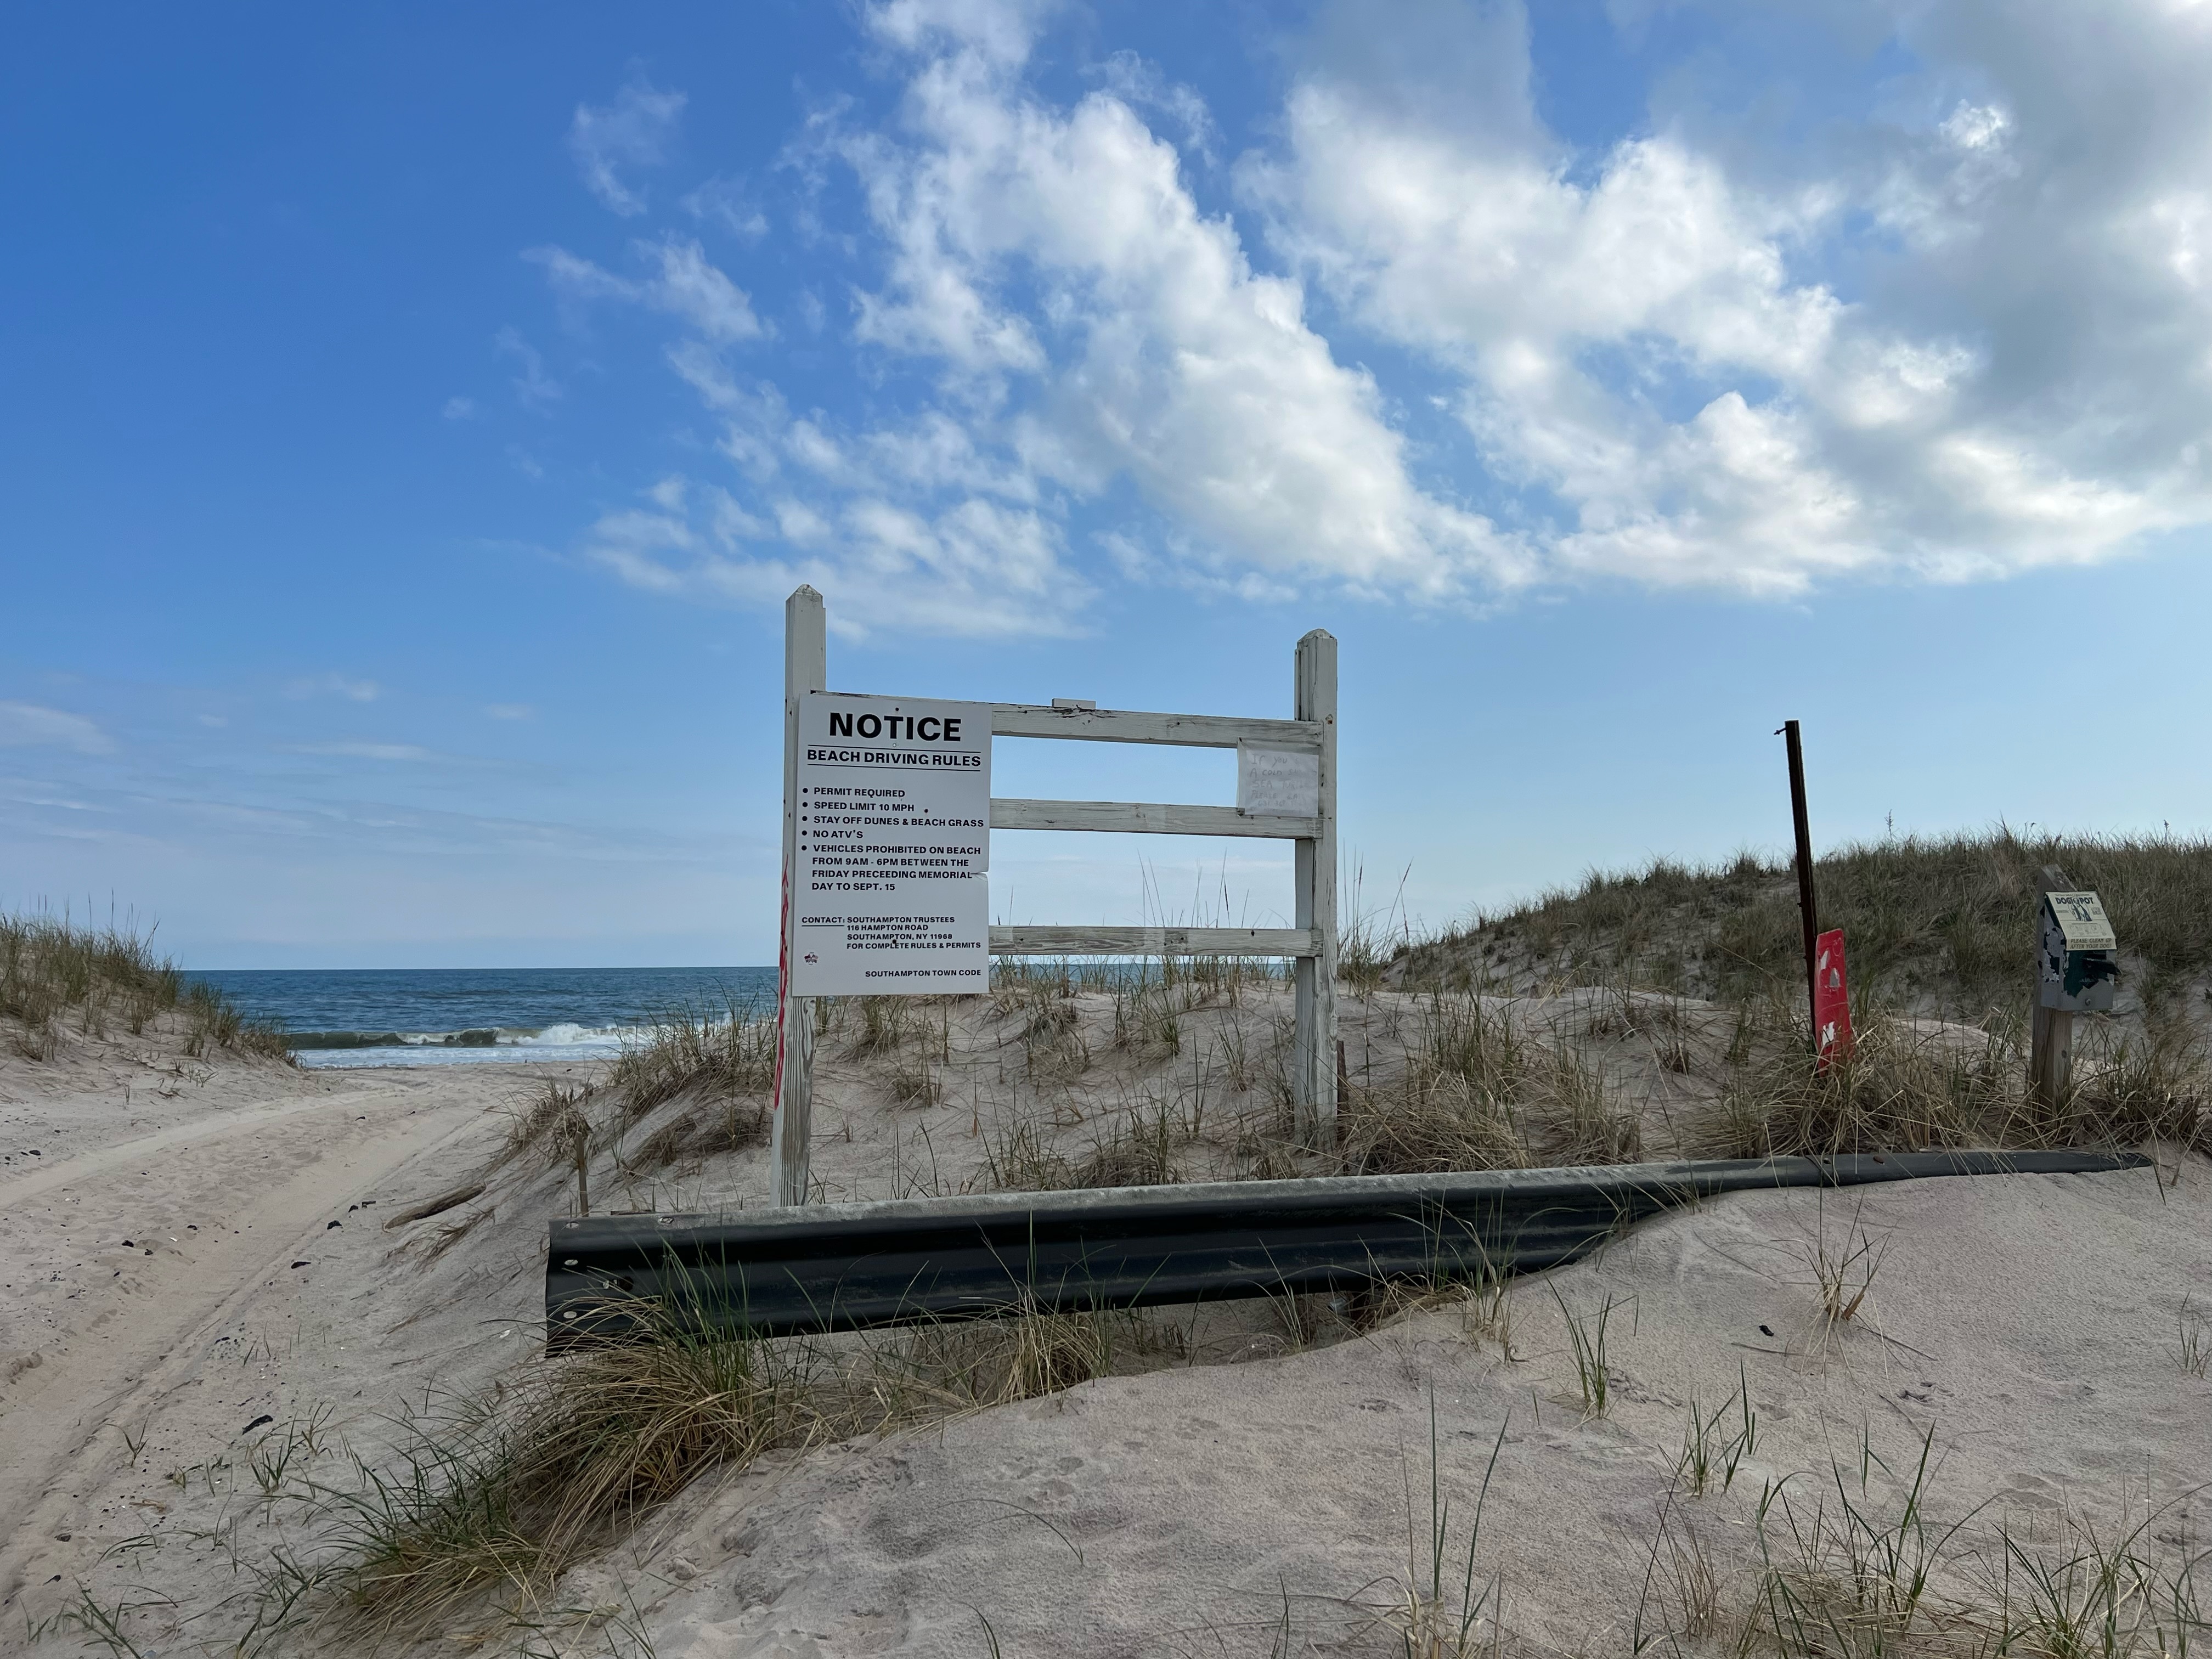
{"x": 411, "y": 423}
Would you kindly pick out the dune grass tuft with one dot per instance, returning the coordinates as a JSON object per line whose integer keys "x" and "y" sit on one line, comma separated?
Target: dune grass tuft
{"x": 717, "y": 1052}
{"x": 54, "y": 971}
{"x": 483, "y": 1499}
{"x": 547, "y": 1122}
{"x": 489, "y": 1499}
{"x": 1476, "y": 1094}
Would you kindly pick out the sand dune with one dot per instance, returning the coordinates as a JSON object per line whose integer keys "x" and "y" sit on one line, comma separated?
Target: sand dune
{"x": 164, "y": 1413}
{"x": 2026, "y": 1323}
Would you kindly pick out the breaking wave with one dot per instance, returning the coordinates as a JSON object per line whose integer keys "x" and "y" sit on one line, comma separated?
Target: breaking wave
{"x": 323, "y": 1050}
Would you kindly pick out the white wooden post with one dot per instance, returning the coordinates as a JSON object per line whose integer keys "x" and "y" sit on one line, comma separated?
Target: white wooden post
{"x": 806, "y": 668}
{"x": 1314, "y": 1043}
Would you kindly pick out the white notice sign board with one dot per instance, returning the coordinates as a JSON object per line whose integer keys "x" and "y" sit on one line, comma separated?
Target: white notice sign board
{"x": 892, "y": 885}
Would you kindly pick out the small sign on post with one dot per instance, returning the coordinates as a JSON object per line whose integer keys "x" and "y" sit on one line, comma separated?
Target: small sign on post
{"x": 2080, "y": 969}
{"x": 2077, "y": 971}
{"x": 1831, "y": 1000}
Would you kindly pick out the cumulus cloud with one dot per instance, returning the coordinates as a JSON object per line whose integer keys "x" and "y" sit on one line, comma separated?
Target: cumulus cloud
{"x": 1094, "y": 332}
{"x": 29, "y": 726}
{"x": 633, "y": 131}
{"x": 1059, "y": 256}
{"x": 1439, "y": 353}
{"x": 1656, "y": 345}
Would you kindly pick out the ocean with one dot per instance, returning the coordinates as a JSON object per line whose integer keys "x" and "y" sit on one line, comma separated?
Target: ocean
{"x": 340, "y": 1018}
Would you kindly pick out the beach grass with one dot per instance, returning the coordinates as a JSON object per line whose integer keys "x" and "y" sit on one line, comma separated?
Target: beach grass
{"x": 714, "y": 1051}
{"x": 1941, "y": 925}
{"x": 1833, "y": 1572}
{"x": 485, "y": 1501}
{"x": 715, "y": 1061}
{"x": 1908, "y": 1086}
{"x": 485, "y": 1497}
{"x": 56, "y": 973}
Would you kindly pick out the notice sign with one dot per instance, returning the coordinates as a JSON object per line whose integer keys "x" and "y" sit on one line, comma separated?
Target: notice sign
{"x": 892, "y": 885}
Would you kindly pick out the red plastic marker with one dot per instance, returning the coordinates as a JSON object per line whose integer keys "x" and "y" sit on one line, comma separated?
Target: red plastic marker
{"x": 1831, "y": 999}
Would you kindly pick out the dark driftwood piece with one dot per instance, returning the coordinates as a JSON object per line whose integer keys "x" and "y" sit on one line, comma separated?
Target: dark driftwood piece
{"x": 438, "y": 1205}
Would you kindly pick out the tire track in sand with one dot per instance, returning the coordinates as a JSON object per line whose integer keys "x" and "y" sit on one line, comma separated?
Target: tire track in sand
{"x": 129, "y": 1347}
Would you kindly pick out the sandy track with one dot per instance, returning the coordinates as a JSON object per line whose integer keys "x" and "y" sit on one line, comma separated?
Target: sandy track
{"x": 88, "y": 1167}
{"x": 217, "y": 1210}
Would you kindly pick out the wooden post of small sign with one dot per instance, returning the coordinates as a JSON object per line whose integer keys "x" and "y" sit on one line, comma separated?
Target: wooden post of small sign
{"x": 806, "y": 668}
{"x": 1314, "y": 977}
{"x": 2050, "y": 1051}
{"x": 1808, "y": 910}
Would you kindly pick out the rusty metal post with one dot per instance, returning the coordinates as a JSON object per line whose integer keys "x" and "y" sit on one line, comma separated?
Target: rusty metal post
{"x": 1808, "y": 910}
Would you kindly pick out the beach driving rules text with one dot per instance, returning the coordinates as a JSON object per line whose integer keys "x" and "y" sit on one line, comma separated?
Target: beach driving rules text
{"x": 893, "y": 888}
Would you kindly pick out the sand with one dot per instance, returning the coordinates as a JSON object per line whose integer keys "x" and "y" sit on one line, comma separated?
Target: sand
{"x": 2025, "y": 1321}
{"x": 2029, "y": 1322}
{"x": 182, "y": 1259}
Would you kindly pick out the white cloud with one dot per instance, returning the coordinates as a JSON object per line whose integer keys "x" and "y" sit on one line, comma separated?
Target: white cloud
{"x": 509, "y": 711}
{"x": 633, "y": 131}
{"x": 1152, "y": 351}
{"x": 1141, "y": 86}
{"x": 1096, "y": 330}
{"x": 687, "y": 286}
{"x": 29, "y": 726}
{"x": 728, "y": 203}
{"x": 458, "y": 409}
{"x": 1964, "y": 333}
{"x": 1643, "y": 343}
{"x": 998, "y": 33}
{"x": 535, "y": 389}
{"x": 976, "y": 569}
{"x": 334, "y": 686}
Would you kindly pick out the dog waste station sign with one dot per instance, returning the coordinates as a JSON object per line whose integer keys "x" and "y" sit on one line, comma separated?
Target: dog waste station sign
{"x": 893, "y": 889}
